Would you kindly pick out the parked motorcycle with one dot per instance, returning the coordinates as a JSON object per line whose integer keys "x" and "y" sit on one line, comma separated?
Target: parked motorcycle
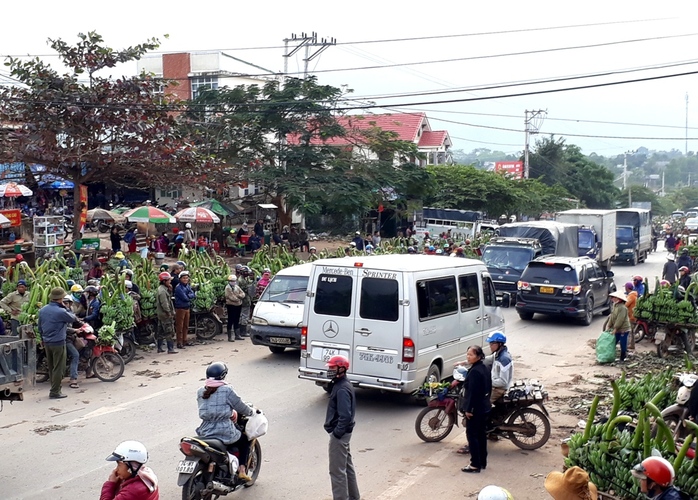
{"x": 208, "y": 470}
{"x": 644, "y": 330}
{"x": 103, "y": 360}
{"x": 674, "y": 336}
{"x": 205, "y": 324}
{"x": 127, "y": 345}
{"x": 511, "y": 417}
{"x": 675, "y": 414}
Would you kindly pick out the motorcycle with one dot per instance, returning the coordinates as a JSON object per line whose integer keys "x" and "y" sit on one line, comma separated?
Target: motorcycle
{"x": 511, "y": 417}
{"x": 103, "y": 360}
{"x": 675, "y": 414}
{"x": 126, "y": 345}
{"x": 209, "y": 470}
{"x": 205, "y": 324}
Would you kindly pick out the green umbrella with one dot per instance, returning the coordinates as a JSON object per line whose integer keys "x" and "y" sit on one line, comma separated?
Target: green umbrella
{"x": 218, "y": 207}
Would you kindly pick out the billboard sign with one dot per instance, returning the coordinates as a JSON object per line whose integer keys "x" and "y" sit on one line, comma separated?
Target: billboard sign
{"x": 513, "y": 169}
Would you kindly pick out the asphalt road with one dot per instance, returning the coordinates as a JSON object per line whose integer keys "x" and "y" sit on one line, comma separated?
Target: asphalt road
{"x": 56, "y": 448}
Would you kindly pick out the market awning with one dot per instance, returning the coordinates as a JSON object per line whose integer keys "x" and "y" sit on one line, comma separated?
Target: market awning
{"x": 219, "y": 208}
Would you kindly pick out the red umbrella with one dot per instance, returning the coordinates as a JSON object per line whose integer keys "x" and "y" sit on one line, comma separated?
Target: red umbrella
{"x": 197, "y": 214}
{"x": 13, "y": 190}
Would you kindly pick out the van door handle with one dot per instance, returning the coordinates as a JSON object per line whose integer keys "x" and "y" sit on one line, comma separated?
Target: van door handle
{"x": 485, "y": 317}
{"x": 364, "y": 331}
{"x": 477, "y": 320}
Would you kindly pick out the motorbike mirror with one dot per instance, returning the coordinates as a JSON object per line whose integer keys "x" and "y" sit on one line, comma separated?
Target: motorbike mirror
{"x": 459, "y": 373}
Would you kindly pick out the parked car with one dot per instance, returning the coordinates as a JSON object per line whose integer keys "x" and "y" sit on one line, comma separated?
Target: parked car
{"x": 574, "y": 287}
{"x": 692, "y": 224}
{"x": 691, "y": 214}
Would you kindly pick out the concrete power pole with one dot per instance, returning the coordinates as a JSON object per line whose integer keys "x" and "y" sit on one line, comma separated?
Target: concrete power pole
{"x": 532, "y": 122}
{"x": 305, "y": 41}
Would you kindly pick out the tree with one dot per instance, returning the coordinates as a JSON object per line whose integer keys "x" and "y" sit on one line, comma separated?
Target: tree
{"x": 115, "y": 130}
{"x": 288, "y": 138}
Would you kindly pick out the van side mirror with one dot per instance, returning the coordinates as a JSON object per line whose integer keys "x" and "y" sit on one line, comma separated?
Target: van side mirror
{"x": 504, "y": 300}
{"x": 609, "y": 274}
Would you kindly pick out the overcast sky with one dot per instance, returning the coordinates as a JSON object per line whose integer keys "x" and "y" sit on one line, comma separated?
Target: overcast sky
{"x": 25, "y": 27}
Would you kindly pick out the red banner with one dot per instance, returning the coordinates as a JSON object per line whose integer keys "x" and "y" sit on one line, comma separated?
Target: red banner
{"x": 83, "y": 204}
{"x": 15, "y": 217}
{"x": 511, "y": 168}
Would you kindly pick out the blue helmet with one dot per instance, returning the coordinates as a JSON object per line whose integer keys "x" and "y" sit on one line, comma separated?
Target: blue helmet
{"x": 70, "y": 283}
{"x": 497, "y": 337}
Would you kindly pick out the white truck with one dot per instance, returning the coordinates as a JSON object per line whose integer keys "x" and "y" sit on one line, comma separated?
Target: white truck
{"x": 597, "y": 233}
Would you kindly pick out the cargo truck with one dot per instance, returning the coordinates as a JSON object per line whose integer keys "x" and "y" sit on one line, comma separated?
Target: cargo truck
{"x": 597, "y": 233}
{"x": 633, "y": 235}
{"x": 516, "y": 244}
{"x": 17, "y": 367}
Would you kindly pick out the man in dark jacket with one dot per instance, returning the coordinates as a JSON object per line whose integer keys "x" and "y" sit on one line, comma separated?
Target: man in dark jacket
{"x": 53, "y": 324}
{"x": 670, "y": 272}
{"x": 183, "y": 298}
{"x": 358, "y": 240}
{"x": 476, "y": 406}
{"x": 685, "y": 259}
{"x": 339, "y": 424}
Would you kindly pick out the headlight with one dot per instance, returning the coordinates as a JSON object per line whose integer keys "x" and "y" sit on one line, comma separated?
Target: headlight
{"x": 628, "y": 250}
{"x": 256, "y": 320}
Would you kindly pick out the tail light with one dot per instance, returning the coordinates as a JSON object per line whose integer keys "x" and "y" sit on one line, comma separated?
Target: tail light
{"x": 523, "y": 285}
{"x": 191, "y": 449}
{"x": 572, "y": 289}
{"x": 407, "y": 350}
{"x": 304, "y": 338}
{"x": 185, "y": 448}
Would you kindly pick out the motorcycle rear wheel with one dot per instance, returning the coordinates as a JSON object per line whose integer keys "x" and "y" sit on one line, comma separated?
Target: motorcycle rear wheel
{"x": 639, "y": 332}
{"x": 206, "y": 327}
{"x": 433, "y": 424}
{"x": 128, "y": 352}
{"x": 536, "y": 422}
{"x": 192, "y": 488}
{"x": 254, "y": 463}
{"x": 108, "y": 367}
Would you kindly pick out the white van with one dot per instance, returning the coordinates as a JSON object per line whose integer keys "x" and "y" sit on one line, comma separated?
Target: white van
{"x": 278, "y": 316}
{"x": 400, "y": 319}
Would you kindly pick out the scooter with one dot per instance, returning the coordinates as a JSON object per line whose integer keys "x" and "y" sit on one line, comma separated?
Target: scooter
{"x": 511, "y": 417}
{"x": 675, "y": 414}
{"x": 205, "y": 324}
{"x": 209, "y": 470}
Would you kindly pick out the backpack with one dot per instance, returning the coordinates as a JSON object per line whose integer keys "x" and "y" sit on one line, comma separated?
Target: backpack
{"x": 128, "y": 237}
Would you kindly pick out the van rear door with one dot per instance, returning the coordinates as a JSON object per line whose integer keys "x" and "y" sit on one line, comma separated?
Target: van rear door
{"x": 378, "y": 325}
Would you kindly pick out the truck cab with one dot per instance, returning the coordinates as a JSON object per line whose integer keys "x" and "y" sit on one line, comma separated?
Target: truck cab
{"x": 588, "y": 242}
{"x": 507, "y": 257}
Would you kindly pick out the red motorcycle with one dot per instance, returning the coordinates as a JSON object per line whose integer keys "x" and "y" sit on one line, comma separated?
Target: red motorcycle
{"x": 644, "y": 330}
{"x": 511, "y": 417}
{"x": 102, "y": 360}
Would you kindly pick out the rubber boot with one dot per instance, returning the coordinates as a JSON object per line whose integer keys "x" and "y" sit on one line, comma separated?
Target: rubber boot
{"x": 237, "y": 335}
{"x": 230, "y": 336}
{"x": 160, "y": 344}
{"x": 170, "y": 347}
{"x": 245, "y": 330}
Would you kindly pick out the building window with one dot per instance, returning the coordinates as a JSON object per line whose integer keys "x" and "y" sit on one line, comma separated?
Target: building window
{"x": 202, "y": 82}
{"x": 173, "y": 193}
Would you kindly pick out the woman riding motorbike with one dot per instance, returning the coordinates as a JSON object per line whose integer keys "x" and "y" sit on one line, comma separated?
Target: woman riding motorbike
{"x": 219, "y": 407}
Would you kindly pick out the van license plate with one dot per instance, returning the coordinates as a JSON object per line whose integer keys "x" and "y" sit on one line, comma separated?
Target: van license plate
{"x": 328, "y": 353}
{"x": 376, "y": 358}
{"x": 279, "y": 340}
{"x": 547, "y": 289}
{"x": 186, "y": 466}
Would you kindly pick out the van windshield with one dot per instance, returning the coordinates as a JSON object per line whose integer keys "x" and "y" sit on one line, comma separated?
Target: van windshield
{"x": 507, "y": 258}
{"x": 286, "y": 289}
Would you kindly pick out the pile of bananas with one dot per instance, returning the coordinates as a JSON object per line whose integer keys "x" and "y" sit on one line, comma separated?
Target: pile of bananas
{"x": 106, "y": 335}
{"x": 608, "y": 451}
{"x": 663, "y": 307}
{"x": 635, "y": 392}
{"x": 275, "y": 258}
{"x": 117, "y": 305}
{"x": 209, "y": 275}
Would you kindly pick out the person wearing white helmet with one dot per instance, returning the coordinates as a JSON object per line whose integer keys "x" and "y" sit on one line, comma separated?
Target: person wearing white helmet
{"x": 493, "y": 492}
{"x": 188, "y": 235}
{"x": 670, "y": 272}
{"x": 131, "y": 479}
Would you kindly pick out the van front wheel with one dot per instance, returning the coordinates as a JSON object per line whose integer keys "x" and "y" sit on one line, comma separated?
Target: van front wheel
{"x": 433, "y": 375}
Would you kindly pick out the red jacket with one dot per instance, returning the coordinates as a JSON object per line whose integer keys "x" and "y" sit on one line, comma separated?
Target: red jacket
{"x": 131, "y": 489}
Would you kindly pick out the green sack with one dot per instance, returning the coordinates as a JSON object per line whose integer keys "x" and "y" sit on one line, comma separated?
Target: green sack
{"x": 606, "y": 347}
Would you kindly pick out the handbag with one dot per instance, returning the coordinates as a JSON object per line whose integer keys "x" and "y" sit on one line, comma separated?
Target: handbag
{"x": 257, "y": 425}
{"x": 79, "y": 343}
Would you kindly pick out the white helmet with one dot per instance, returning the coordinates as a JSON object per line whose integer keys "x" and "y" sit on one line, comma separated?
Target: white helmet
{"x": 128, "y": 284}
{"x": 684, "y": 395}
{"x": 187, "y": 225}
{"x": 68, "y": 298}
{"x": 492, "y": 492}
{"x": 129, "y": 451}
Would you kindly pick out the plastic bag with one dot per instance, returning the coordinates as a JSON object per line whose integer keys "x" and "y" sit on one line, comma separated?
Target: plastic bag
{"x": 257, "y": 425}
{"x": 606, "y": 347}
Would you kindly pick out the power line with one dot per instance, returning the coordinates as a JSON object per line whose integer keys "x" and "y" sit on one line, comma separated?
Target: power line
{"x": 409, "y": 39}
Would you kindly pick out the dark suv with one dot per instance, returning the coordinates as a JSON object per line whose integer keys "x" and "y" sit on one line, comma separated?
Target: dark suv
{"x": 576, "y": 287}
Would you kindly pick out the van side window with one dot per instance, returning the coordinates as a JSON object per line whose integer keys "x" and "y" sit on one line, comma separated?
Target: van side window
{"x": 333, "y": 296}
{"x": 489, "y": 292}
{"x": 469, "y": 292}
{"x": 437, "y": 297}
{"x": 379, "y": 299}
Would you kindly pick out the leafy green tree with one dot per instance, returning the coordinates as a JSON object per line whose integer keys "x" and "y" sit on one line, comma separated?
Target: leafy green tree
{"x": 115, "y": 130}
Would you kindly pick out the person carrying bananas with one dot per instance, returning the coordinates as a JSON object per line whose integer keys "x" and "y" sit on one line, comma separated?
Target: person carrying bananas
{"x": 166, "y": 314}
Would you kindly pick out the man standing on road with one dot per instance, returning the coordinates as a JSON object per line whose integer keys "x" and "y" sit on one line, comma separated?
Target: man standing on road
{"x": 671, "y": 270}
{"x": 166, "y": 314}
{"x": 53, "y": 324}
{"x": 13, "y": 304}
{"x": 244, "y": 282}
{"x": 339, "y": 424}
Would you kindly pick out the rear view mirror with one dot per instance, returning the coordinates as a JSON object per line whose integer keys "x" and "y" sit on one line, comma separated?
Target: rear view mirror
{"x": 504, "y": 300}
{"x": 459, "y": 373}
{"x": 609, "y": 274}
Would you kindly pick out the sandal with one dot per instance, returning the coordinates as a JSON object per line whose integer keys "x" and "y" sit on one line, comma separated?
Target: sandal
{"x": 465, "y": 450}
{"x": 74, "y": 384}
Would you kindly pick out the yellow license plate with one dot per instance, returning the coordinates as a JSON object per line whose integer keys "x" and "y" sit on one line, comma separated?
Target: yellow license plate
{"x": 547, "y": 289}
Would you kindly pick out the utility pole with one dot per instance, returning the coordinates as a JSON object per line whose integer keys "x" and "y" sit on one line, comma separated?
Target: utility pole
{"x": 532, "y": 123}
{"x": 305, "y": 41}
{"x": 685, "y": 152}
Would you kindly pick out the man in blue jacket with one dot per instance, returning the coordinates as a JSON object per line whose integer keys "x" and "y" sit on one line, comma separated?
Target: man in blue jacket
{"x": 339, "y": 424}
{"x": 54, "y": 319}
{"x": 183, "y": 298}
